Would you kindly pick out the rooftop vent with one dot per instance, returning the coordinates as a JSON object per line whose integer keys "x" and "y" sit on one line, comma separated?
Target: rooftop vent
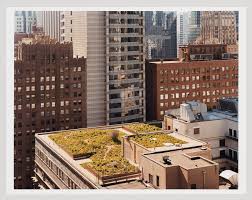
{"x": 203, "y": 148}
{"x": 195, "y": 158}
{"x": 167, "y": 160}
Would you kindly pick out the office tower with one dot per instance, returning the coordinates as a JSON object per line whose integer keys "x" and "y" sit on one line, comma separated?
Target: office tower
{"x": 218, "y": 27}
{"x": 50, "y": 22}
{"x": 148, "y": 16}
{"x": 112, "y": 42}
{"x": 193, "y": 26}
{"x": 159, "y": 18}
{"x": 237, "y": 23}
{"x": 160, "y": 35}
{"x": 49, "y": 95}
{"x": 125, "y": 67}
{"x": 203, "y": 73}
{"x": 24, "y": 21}
{"x": 171, "y": 29}
{"x": 188, "y": 27}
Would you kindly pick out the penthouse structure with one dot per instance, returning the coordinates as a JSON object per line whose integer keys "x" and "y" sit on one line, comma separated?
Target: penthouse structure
{"x": 202, "y": 72}
{"x": 129, "y": 156}
{"x": 49, "y": 95}
{"x": 219, "y": 128}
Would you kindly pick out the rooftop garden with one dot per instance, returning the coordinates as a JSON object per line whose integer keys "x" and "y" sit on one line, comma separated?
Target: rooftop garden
{"x": 103, "y": 147}
{"x": 141, "y": 128}
{"x": 153, "y": 140}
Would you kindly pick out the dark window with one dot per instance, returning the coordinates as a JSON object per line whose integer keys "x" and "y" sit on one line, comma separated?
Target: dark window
{"x": 230, "y": 153}
{"x": 230, "y": 132}
{"x": 235, "y": 156}
{"x": 222, "y": 143}
{"x": 193, "y": 186}
{"x": 169, "y": 127}
{"x": 196, "y": 131}
{"x": 176, "y": 130}
{"x": 157, "y": 180}
{"x": 150, "y": 179}
{"x": 235, "y": 134}
{"x": 222, "y": 153}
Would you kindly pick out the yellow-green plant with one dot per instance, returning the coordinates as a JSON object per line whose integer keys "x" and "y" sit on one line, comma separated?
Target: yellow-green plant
{"x": 155, "y": 139}
{"x": 142, "y": 128}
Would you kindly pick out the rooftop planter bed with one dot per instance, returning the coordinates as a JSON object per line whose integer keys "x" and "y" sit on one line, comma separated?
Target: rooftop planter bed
{"x": 110, "y": 163}
{"x": 155, "y": 139}
{"x": 103, "y": 147}
{"x": 141, "y": 128}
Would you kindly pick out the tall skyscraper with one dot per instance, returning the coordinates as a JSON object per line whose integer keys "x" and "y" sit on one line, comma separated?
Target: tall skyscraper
{"x": 160, "y": 35}
{"x": 188, "y": 27}
{"x": 112, "y": 42}
{"x": 148, "y": 22}
{"x": 50, "y": 22}
{"x": 171, "y": 28}
{"x": 24, "y": 21}
{"x": 49, "y": 95}
{"x": 218, "y": 27}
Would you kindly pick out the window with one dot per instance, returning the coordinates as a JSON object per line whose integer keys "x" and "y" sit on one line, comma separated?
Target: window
{"x": 222, "y": 143}
{"x": 196, "y": 130}
{"x": 235, "y": 134}
{"x": 230, "y": 132}
{"x": 193, "y": 186}
{"x": 235, "y": 156}
{"x": 157, "y": 180}
{"x": 222, "y": 153}
{"x": 150, "y": 179}
{"x": 230, "y": 153}
{"x": 169, "y": 127}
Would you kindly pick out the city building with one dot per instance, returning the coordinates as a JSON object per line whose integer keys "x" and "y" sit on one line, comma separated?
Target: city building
{"x": 112, "y": 42}
{"x": 188, "y": 27}
{"x": 219, "y": 128}
{"x": 154, "y": 159}
{"x": 202, "y": 72}
{"x": 219, "y": 27}
{"x": 50, "y": 22}
{"x": 160, "y": 35}
{"x": 24, "y": 21}
{"x": 49, "y": 95}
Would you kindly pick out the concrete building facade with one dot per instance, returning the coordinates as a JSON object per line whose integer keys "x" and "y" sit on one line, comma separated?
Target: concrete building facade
{"x": 206, "y": 77}
{"x": 219, "y": 128}
{"x": 50, "y": 22}
{"x": 218, "y": 27}
{"x": 112, "y": 42}
{"x": 24, "y": 21}
{"x": 49, "y": 95}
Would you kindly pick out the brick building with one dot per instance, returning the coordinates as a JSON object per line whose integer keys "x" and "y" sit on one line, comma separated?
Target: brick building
{"x": 203, "y": 73}
{"x": 50, "y": 94}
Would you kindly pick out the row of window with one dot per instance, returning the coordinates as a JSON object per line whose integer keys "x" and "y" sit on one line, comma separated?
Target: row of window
{"x": 197, "y": 93}
{"x": 197, "y": 85}
{"x": 56, "y": 170}
{"x": 198, "y": 78}
{"x": 197, "y": 70}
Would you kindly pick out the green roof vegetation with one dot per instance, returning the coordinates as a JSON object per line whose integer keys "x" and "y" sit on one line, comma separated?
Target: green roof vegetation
{"x": 155, "y": 139}
{"x": 103, "y": 147}
{"x": 142, "y": 128}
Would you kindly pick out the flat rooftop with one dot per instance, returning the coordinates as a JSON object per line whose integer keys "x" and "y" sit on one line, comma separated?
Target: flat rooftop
{"x": 168, "y": 144}
{"x": 184, "y": 158}
{"x": 129, "y": 185}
